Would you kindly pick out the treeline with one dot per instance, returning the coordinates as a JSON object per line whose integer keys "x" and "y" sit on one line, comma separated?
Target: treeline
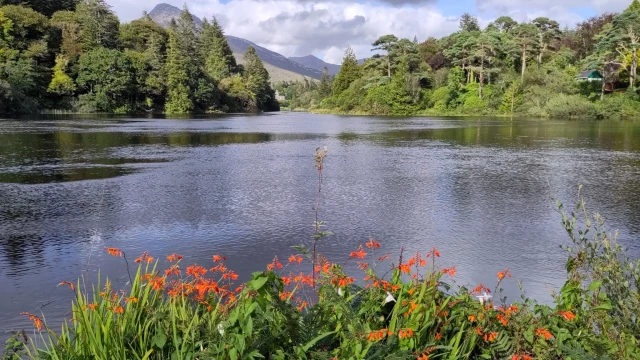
{"x": 531, "y": 69}
{"x": 74, "y": 55}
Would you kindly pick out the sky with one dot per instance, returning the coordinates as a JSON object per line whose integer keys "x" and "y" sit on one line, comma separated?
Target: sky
{"x": 326, "y": 28}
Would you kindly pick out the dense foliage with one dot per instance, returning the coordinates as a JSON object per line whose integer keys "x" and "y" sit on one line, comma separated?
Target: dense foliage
{"x": 507, "y": 68}
{"x": 76, "y": 56}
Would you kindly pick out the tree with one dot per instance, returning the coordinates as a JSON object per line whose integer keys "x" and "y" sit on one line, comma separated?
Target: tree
{"x": 68, "y": 24}
{"x": 349, "y": 72}
{"x": 548, "y": 31}
{"x": 99, "y": 25}
{"x": 386, "y": 43}
{"x": 45, "y": 7}
{"x": 587, "y": 30}
{"x": 106, "y": 75}
{"x": 61, "y": 83}
{"x": 622, "y": 35}
{"x": 219, "y": 61}
{"x": 505, "y": 24}
{"x": 184, "y": 66}
{"x": 256, "y": 78}
{"x": 483, "y": 50}
{"x": 145, "y": 44}
{"x": 469, "y": 23}
{"x": 324, "y": 89}
{"x": 179, "y": 68}
{"x": 524, "y": 43}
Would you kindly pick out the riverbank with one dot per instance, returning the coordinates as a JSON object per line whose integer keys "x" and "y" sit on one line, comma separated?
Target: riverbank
{"x": 288, "y": 311}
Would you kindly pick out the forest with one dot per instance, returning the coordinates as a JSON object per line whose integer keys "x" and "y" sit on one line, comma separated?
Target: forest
{"x": 535, "y": 69}
{"x": 76, "y": 56}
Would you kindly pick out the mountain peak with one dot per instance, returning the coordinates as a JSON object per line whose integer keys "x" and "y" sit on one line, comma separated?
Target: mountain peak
{"x": 163, "y": 13}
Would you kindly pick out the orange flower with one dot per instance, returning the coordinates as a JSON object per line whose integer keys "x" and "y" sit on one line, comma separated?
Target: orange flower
{"x": 196, "y": 271}
{"x": 544, "y": 333}
{"x": 567, "y": 315}
{"x": 502, "y": 319}
{"x": 377, "y": 335}
{"x": 118, "y": 310}
{"x": 157, "y": 283}
{"x": 286, "y": 280}
{"x": 451, "y": 272}
{"x": 472, "y": 318}
{"x": 37, "y": 322}
{"x": 145, "y": 257}
{"x": 372, "y": 244}
{"x": 405, "y": 333}
{"x": 435, "y": 252}
{"x": 285, "y": 295}
{"x": 363, "y": 266}
{"x": 115, "y": 252}
{"x": 521, "y": 357}
{"x": 411, "y": 291}
{"x": 479, "y": 331}
{"x": 174, "y": 270}
{"x": 132, "y": 299}
{"x": 423, "y": 262}
{"x": 217, "y": 258}
{"x": 92, "y": 306}
{"x": 73, "y": 287}
{"x": 385, "y": 257}
{"x": 438, "y": 336}
{"x": 405, "y": 268}
{"x": 503, "y": 274}
{"x": 491, "y": 337}
{"x": 174, "y": 257}
{"x": 359, "y": 254}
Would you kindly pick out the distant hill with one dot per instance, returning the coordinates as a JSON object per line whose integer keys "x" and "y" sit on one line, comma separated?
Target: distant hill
{"x": 239, "y": 45}
{"x": 313, "y": 62}
{"x": 163, "y": 13}
{"x": 279, "y": 67}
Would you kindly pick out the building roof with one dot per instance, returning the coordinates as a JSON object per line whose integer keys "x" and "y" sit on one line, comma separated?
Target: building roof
{"x": 590, "y": 74}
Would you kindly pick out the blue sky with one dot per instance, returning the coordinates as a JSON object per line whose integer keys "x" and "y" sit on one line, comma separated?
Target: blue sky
{"x": 326, "y": 28}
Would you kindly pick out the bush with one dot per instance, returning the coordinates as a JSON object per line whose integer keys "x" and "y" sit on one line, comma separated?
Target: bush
{"x": 617, "y": 106}
{"x": 564, "y": 106}
{"x": 439, "y": 99}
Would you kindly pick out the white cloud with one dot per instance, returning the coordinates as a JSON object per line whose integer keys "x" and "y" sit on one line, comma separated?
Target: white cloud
{"x": 302, "y": 27}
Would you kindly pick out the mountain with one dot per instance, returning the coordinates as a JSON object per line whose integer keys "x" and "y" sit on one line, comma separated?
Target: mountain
{"x": 162, "y": 15}
{"x": 239, "y": 46}
{"x": 313, "y": 62}
{"x": 279, "y": 67}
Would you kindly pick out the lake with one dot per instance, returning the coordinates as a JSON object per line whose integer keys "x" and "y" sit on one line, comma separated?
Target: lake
{"x": 480, "y": 191}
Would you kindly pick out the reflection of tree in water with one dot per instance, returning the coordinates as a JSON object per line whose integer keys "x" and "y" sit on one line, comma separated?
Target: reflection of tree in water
{"x": 20, "y": 250}
{"x": 608, "y": 135}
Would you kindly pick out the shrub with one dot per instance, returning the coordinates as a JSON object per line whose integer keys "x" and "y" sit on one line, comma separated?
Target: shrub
{"x": 570, "y": 107}
{"x": 617, "y": 106}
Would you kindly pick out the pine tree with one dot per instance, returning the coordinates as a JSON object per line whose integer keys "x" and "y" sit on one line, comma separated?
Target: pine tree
{"x": 256, "y": 78}
{"x": 622, "y": 35}
{"x": 179, "y": 96}
{"x": 99, "y": 25}
{"x": 349, "y": 72}
{"x": 324, "y": 89}
{"x": 219, "y": 61}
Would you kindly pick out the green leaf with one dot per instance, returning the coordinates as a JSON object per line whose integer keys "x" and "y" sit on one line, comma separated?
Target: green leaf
{"x": 257, "y": 284}
{"x": 606, "y": 307}
{"x": 159, "y": 340}
{"x": 595, "y": 285}
{"x": 313, "y": 342}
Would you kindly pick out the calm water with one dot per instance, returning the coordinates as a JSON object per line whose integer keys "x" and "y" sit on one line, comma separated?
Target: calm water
{"x": 243, "y": 186}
